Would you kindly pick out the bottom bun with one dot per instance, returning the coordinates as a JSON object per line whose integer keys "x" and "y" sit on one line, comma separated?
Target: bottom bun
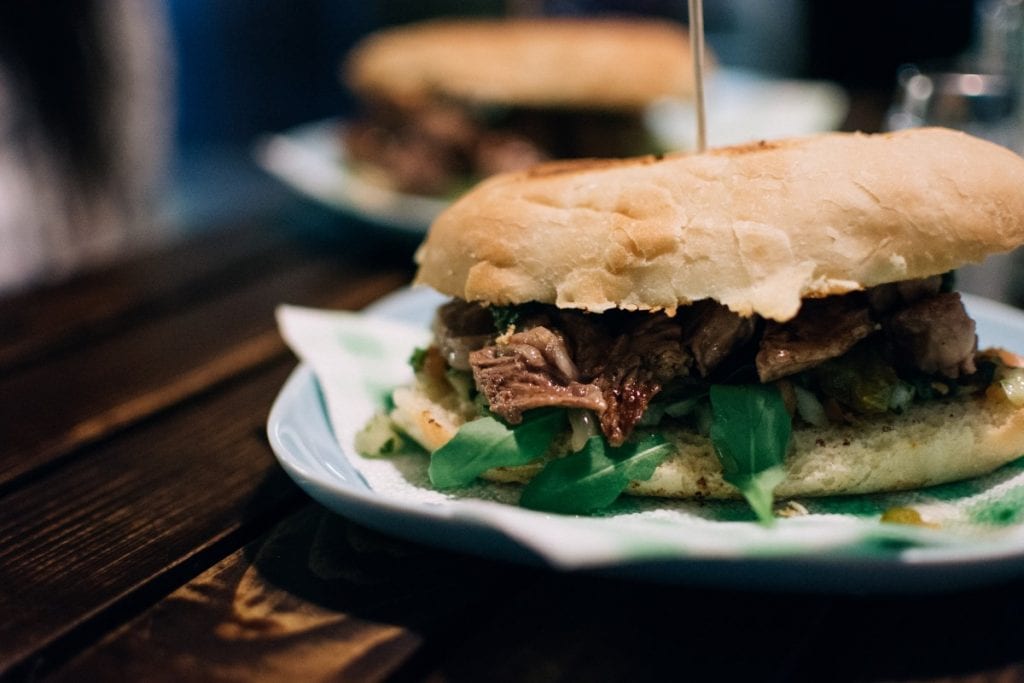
{"x": 934, "y": 443}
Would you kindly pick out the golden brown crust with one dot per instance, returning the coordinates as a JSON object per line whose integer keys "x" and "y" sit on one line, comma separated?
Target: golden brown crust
{"x": 757, "y": 227}
{"x": 526, "y": 62}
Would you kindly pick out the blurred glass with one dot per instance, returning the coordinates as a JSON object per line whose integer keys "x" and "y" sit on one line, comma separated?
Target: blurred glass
{"x": 977, "y": 92}
{"x": 999, "y": 43}
{"x": 982, "y": 104}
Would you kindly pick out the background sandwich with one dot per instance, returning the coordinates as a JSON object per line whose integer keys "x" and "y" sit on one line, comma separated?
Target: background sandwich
{"x": 448, "y": 102}
{"x": 771, "y": 318}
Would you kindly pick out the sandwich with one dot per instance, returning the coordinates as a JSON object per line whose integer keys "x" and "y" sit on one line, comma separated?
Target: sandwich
{"x": 771, "y": 321}
{"x": 448, "y": 102}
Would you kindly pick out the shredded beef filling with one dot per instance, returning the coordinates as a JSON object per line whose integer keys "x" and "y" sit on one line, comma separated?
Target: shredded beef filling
{"x": 459, "y": 329}
{"x": 824, "y": 329}
{"x": 713, "y": 333}
{"x": 434, "y": 148}
{"x": 936, "y": 335}
{"x": 639, "y": 361}
{"x": 615, "y": 363}
{"x": 532, "y": 370}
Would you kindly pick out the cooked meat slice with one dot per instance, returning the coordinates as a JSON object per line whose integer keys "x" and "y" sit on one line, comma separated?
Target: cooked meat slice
{"x": 542, "y": 347}
{"x": 633, "y": 370}
{"x": 422, "y": 150}
{"x": 713, "y": 332}
{"x": 463, "y": 318}
{"x": 461, "y": 327}
{"x": 588, "y": 339}
{"x": 936, "y": 335}
{"x": 418, "y": 165}
{"x": 532, "y": 370}
{"x": 445, "y": 124}
{"x": 503, "y": 152}
{"x": 824, "y": 328}
{"x": 658, "y": 341}
{"x": 615, "y": 375}
{"x": 627, "y": 387}
{"x": 884, "y": 298}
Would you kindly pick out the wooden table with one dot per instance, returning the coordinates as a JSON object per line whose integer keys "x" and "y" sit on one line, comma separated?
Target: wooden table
{"x": 147, "y": 532}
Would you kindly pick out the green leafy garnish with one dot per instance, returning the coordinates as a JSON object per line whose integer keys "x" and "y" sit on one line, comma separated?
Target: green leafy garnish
{"x": 860, "y": 379}
{"x": 676, "y": 400}
{"x": 378, "y": 437}
{"x": 750, "y": 431}
{"x": 594, "y": 477}
{"x": 418, "y": 357}
{"x": 484, "y": 443}
{"x": 504, "y": 316}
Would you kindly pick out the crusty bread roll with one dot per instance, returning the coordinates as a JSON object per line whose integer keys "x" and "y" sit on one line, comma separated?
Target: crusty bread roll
{"x": 932, "y": 443}
{"x": 756, "y": 227}
{"x": 526, "y": 62}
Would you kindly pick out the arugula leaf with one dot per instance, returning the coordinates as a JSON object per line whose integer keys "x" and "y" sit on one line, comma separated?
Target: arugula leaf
{"x": 594, "y": 477}
{"x": 485, "y": 442}
{"x": 750, "y": 431}
{"x": 418, "y": 357}
{"x": 948, "y": 281}
{"x": 504, "y": 316}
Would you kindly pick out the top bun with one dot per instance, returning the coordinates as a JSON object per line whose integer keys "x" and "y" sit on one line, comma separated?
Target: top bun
{"x": 756, "y": 227}
{"x": 601, "y": 63}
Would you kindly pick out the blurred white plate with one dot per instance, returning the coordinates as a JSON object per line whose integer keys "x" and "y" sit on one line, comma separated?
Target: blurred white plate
{"x": 311, "y": 159}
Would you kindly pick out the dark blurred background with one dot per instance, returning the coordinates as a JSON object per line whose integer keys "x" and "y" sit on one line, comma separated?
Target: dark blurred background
{"x": 206, "y": 79}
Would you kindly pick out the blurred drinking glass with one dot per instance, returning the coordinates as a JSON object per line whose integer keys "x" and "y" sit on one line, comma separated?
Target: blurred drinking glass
{"x": 982, "y": 104}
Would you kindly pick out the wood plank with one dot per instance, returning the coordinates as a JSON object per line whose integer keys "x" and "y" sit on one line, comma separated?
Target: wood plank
{"x": 320, "y": 598}
{"x": 135, "y": 513}
{"x": 46, "y": 320}
{"x": 50, "y": 410}
{"x": 528, "y": 625}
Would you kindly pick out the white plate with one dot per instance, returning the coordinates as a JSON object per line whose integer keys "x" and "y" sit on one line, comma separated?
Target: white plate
{"x": 742, "y": 106}
{"x": 840, "y": 546}
{"x": 311, "y": 159}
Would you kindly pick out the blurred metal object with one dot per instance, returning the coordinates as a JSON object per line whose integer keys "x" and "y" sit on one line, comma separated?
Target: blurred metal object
{"x": 697, "y": 45}
{"x": 999, "y": 45}
{"x": 982, "y": 104}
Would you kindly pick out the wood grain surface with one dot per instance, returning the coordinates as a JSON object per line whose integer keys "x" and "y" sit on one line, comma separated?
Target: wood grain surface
{"x": 134, "y": 403}
{"x": 102, "y": 302}
{"x": 318, "y": 598}
{"x": 82, "y": 394}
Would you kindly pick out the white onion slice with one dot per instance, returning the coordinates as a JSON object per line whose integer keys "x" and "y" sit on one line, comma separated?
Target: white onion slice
{"x": 584, "y": 426}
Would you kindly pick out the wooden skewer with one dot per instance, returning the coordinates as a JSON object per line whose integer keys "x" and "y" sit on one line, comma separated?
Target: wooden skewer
{"x": 697, "y": 45}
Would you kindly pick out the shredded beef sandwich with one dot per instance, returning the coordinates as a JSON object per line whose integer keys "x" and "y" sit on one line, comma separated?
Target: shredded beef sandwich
{"x": 778, "y": 319}
{"x": 447, "y": 102}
